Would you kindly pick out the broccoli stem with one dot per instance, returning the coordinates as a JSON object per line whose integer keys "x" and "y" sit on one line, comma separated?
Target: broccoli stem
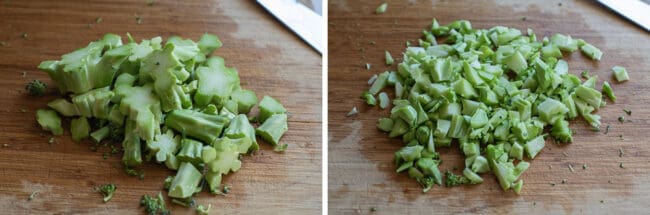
{"x": 204, "y": 127}
{"x": 185, "y": 182}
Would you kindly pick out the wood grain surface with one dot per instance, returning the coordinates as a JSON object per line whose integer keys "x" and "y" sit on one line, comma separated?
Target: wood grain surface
{"x": 270, "y": 59}
{"x": 361, "y": 170}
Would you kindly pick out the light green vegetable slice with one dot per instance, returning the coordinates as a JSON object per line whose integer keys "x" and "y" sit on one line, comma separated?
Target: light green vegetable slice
{"x": 620, "y": 73}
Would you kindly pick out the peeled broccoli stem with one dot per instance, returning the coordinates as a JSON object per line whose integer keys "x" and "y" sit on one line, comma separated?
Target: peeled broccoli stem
{"x": 186, "y": 181}
{"x": 142, "y": 106}
{"x": 131, "y": 145}
{"x": 204, "y": 127}
{"x": 273, "y": 128}
{"x": 49, "y": 121}
{"x": 166, "y": 71}
{"x": 215, "y": 83}
{"x": 269, "y": 106}
{"x": 240, "y": 128}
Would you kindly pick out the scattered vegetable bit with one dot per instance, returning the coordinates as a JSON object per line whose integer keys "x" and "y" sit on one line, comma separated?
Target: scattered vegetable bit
{"x": 368, "y": 65}
{"x": 98, "y": 20}
{"x": 621, "y": 165}
{"x": 24, "y": 35}
{"x": 352, "y": 112}
{"x": 585, "y": 74}
{"x": 382, "y": 8}
{"x": 383, "y": 100}
{"x": 607, "y": 129}
{"x": 107, "y": 190}
{"x": 627, "y": 111}
{"x": 620, "y": 152}
{"x": 153, "y": 205}
{"x": 564, "y": 181}
{"x": 32, "y": 196}
{"x": 200, "y": 209}
{"x": 571, "y": 167}
{"x": 389, "y": 58}
{"x": 620, "y": 73}
{"x": 584, "y": 166}
{"x": 621, "y": 119}
{"x": 607, "y": 90}
{"x": 36, "y": 88}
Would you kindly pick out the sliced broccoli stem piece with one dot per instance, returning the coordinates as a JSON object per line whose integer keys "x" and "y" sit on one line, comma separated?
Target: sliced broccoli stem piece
{"x": 49, "y": 121}
{"x": 64, "y": 107}
{"x": 185, "y": 182}
{"x": 131, "y": 145}
{"x": 245, "y": 99}
{"x": 273, "y": 128}
{"x": 100, "y": 134}
{"x": 215, "y": 84}
{"x": 164, "y": 146}
{"x": 240, "y": 128}
{"x": 269, "y": 106}
{"x": 191, "y": 151}
{"x": 142, "y": 106}
{"x": 208, "y": 43}
{"x": 94, "y": 103}
{"x": 227, "y": 158}
{"x": 204, "y": 127}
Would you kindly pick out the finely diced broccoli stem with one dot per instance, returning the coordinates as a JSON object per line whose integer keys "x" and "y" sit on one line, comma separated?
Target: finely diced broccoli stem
{"x": 64, "y": 107}
{"x": 620, "y": 73}
{"x": 564, "y": 42}
{"x": 517, "y": 62}
{"x": 94, "y": 103}
{"x": 49, "y": 121}
{"x": 551, "y": 51}
{"x": 385, "y": 124}
{"x": 273, "y": 129}
{"x": 370, "y": 99}
{"x": 561, "y": 131}
{"x": 208, "y": 154}
{"x": 79, "y": 128}
{"x": 517, "y": 186}
{"x": 379, "y": 84}
{"x": 473, "y": 177}
{"x": 185, "y": 182}
{"x": 164, "y": 146}
{"x": 479, "y": 119}
{"x": 517, "y": 151}
{"x": 214, "y": 181}
{"x": 591, "y": 96}
{"x": 550, "y": 110}
{"x": 100, "y": 134}
{"x": 191, "y": 151}
{"x": 389, "y": 58}
{"x": 269, "y": 106}
{"x": 382, "y": 8}
{"x": 591, "y": 51}
{"x": 534, "y": 146}
{"x": 208, "y": 43}
{"x": 406, "y": 113}
{"x": 384, "y": 101}
{"x": 143, "y": 107}
{"x": 607, "y": 90}
{"x": 245, "y": 99}
{"x": 480, "y": 165}
{"x": 204, "y": 127}
{"x": 561, "y": 67}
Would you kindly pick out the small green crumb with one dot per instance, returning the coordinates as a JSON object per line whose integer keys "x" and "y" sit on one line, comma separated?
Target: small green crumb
{"x": 382, "y": 8}
{"x": 51, "y": 141}
{"x": 24, "y": 35}
{"x": 373, "y": 209}
{"x": 98, "y": 20}
{"x": 584, "y": 166}
{"x": 226, "y": 189}
{"x": 621, "y": 119}
{"x": 620, "y": 152}
{"x": 627, "y": 111}
{"x": 621, "y": 165}
{"x": 352, "y": 112}
{"x": 523, "y": 18}
{"x": 23, "y": 110}
{"x": 368, "y": 65}
{"x": 32, "y": 196}
{"x": 585, "y": 74}
{"x": 564, "y": 181}
{"x": 607, "y": 129}
{"x": 571, "y": 167}
{"x": 150, "y": 2}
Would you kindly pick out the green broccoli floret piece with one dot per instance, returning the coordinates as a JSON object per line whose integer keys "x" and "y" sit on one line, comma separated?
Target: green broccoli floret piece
{"x": 49, "y": 121}
{"x": 116, "y": 133}
{"x": 142, "y": 106}
{"x": 208, "y": 43}
{"x": 455, "y": 180}
{"x": 86, "y": 69}
{"x": 204, "y": 127}
{"x": 200, "y": 209}
{"x": 273, "y": 128}
{"x": 186, "y": 182}
{"x": 36, "y": 88}
{"x": 154, "y": 206}
{"x": 166, "y": 71}
{"x": 79, "y": 128}
{"x": 269, "y": 106}
{"x": 216, "y": 82}
{"x": 108, "y": 190}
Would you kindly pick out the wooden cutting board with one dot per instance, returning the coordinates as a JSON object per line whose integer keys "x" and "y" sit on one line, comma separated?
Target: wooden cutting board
{"x": 361, "y": 170}
{"x": 270, "y": 59}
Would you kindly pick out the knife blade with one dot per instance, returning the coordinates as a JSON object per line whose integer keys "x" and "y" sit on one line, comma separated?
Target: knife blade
{"x": 634, "y": 10}
{"x": 299, "y": 18}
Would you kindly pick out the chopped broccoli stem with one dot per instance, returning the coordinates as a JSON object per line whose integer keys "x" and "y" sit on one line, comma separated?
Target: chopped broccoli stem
{"x": 208, "y": 43}
{"x": 227, "y": 158}
{"x": 273, "y": 128}
{"x": 370, "y": 99}
{"x": 384, "y": 101}
{"x": 245, "y": 99}
{"x": 202, "y": 210}
{"x": 100, "y": 134}
{"x": 191, "y": 151}
{"x": 79, "y": 128}
{"x": 269, "y": 106}
{"x": 131, "y": 145}
{"x": 215, "y": 84}
{"x": 49, "y": 121}
{"x": 185, "y": 182}
{"x": 591, "y": 51}
{"x": 64, "y": 107}
{"x": 352, "y": 112}
{"x": 620, "y": 73}
{"x": 36, "y": 88}
{"x": 204, "y": 127}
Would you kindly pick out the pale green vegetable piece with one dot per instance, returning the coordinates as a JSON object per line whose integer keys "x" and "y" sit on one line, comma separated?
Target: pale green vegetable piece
{"x": 620, "y": 73}
{"x": 382, "y": 8}
{"x": 49, "y": 121}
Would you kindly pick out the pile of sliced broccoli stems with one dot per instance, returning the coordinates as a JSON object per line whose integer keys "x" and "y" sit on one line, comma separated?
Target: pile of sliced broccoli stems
{"x": 493, "y": 91}
{"x": 174, "y": 103}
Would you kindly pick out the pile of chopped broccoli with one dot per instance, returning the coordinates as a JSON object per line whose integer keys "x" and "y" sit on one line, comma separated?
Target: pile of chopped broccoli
{"x": 173, "y": 102}
{"x": 493, "y": 91}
